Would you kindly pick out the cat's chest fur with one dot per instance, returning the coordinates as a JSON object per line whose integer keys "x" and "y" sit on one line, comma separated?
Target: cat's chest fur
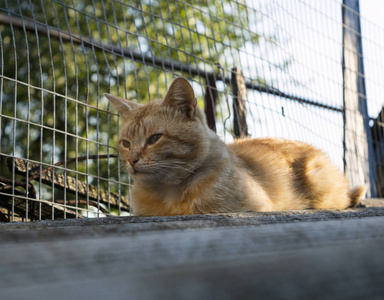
{"x": 165, "y": 201}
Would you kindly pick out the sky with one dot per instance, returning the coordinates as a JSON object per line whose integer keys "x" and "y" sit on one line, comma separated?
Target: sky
{"x": 373, "y": 10}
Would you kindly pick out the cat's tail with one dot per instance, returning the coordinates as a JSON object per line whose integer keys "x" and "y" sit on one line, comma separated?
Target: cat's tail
{"x": 355, "y": 194}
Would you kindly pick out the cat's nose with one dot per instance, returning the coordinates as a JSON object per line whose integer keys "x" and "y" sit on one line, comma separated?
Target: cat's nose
{"x": 134, "y": 158}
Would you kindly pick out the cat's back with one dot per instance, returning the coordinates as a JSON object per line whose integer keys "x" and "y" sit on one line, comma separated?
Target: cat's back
{"x": 272, "y": 150}
{"x": 294, "y": 174}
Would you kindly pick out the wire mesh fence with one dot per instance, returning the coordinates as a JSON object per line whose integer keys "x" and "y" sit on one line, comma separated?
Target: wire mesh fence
{"x": 258, "y": 68}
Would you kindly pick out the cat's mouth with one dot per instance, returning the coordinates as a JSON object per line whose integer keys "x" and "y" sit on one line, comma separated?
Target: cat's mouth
{"x": 137, "y": 171}
{"x": 142, "y": 169}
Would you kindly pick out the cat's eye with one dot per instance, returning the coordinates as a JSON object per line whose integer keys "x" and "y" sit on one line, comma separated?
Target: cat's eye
{"x": 126, "y": 144}
{"x": 153, "y": 139}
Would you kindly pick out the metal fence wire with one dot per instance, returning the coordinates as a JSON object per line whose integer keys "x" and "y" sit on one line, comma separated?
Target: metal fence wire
{"x": 293, "y": 69}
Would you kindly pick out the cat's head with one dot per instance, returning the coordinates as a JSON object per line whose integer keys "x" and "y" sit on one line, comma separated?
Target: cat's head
{"x": 163, "y": 141}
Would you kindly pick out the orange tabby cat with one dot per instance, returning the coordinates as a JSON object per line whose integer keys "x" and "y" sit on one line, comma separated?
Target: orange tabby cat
{"x": 181, "y": 167}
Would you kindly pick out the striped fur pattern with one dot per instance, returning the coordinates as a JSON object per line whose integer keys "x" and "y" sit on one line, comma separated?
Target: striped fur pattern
{"x": 180, "y": 167}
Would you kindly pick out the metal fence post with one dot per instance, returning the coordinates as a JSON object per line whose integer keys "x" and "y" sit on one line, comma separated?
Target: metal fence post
{"x": 359, "y": 164}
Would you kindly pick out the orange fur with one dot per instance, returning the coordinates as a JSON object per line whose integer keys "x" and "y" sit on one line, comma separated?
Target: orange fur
{"x": 180, "y": 166}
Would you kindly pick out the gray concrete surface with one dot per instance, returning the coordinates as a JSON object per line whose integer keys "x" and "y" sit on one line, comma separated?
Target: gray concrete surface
{"x": 280, "y": 255}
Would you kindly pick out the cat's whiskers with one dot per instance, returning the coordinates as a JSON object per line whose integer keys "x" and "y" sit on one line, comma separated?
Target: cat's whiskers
{"x": 164, "y": 172}
{"x": 174, "y": 166}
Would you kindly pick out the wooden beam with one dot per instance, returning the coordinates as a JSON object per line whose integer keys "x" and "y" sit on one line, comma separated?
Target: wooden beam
{"x": 276, "y": 255}
{"x": 210, "y": 101}
{"x": 69, "y": 183}
{"x": 21, "y": 209}
{"x": 239, "y": 92}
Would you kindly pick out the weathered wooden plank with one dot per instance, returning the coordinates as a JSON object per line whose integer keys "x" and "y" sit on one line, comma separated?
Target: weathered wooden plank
{"x": 133, "y": 225}
{"x": 69, "y": 183}
{"x": 24, "y": 210}
{"x": 239, "y": 92}
{"x": 316, "y": 258}
{"x": 31, "y": 209}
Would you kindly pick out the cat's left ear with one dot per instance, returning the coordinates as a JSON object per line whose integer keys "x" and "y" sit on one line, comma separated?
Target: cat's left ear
{"x": 181, "y": 96}
{"x": 123, "y": 106}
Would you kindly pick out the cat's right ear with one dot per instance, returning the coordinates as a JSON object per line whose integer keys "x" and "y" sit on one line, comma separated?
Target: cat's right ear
{"x": 123, "y": 106}
{"x": 180, "y": 96}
